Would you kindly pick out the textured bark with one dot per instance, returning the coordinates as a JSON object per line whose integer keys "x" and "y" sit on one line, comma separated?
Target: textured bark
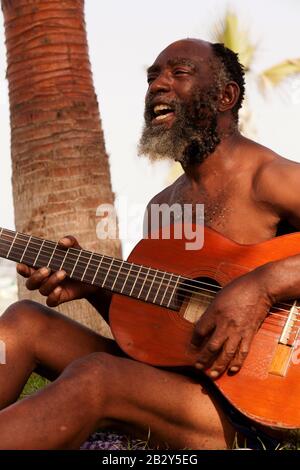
{"x": 60, "y": 166}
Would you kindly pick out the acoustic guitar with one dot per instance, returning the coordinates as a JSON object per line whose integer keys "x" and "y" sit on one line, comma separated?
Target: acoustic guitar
{"x": 161, "y": 291}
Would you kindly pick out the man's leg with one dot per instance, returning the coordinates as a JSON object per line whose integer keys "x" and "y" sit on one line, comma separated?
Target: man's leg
{"x": 38, "y": 338}
{"x": 99, "y": 390}
{"x": 108, "y": 392}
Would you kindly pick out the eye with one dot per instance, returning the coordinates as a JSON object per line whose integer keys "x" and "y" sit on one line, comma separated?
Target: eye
{"x": 151, "y": 79}
{"x": 179, "y": 72}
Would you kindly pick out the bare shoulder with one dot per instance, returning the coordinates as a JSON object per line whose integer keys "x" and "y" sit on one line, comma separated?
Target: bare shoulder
{"x": 276, "y": 182}
{"x": 166, "y": 196}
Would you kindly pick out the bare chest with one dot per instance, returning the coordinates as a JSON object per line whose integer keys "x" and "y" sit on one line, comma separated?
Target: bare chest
{"x": 229, "y": 209}
{"x": 215, "y": 203}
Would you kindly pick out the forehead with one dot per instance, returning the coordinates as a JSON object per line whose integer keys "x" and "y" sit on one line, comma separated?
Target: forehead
{"x": 197, "y": 52}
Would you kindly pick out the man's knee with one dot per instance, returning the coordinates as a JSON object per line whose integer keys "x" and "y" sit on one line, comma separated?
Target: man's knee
{"x": 92, "y": 369}
{"x": 25, "y": 314}
{"x": 91, "y": 377}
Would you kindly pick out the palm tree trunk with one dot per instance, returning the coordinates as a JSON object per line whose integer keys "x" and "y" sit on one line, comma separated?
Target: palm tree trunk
{"x": 60, "y": 166}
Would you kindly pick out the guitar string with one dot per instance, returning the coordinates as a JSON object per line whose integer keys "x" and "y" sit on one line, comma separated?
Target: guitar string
{"x": 181, "y": 289}
{"x": 193, "y": 291}
{"x": 281, "y": 318}
{"x": 62, "y": 252}
{"x": 91, "y": 254}
{"x": 271, "y": 314}
{"x": 154, "y": 279}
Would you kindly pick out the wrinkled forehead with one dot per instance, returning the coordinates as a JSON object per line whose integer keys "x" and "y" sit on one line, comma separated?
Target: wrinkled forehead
{"x": 191, "y": 51}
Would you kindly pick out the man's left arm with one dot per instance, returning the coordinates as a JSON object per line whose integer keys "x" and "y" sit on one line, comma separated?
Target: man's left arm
{"x": 231, "y": 321}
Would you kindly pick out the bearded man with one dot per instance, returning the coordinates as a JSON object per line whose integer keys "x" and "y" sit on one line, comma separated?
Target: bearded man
{"x": 195, "y": 91}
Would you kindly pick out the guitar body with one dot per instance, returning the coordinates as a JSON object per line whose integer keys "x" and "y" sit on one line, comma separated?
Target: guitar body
{"x": 161, "y": 337}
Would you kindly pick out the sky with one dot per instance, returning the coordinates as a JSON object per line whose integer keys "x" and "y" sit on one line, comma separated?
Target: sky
{"x": 124, "y": 38}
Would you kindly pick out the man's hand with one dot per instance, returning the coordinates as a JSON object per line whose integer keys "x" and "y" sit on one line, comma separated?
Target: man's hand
{"x": 55, "y": 286}
{"x": 225, "y": 331}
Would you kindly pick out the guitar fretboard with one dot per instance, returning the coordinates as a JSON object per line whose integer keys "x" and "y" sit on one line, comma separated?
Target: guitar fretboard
{"x": 142, "y": 283}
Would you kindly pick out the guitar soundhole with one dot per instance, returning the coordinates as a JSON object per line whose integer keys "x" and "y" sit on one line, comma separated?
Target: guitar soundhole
{"x": 194, "y": 296}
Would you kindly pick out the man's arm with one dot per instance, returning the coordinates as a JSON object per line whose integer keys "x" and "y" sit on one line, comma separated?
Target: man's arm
{"x": 231, "y": 321}
{"x": 277, "y": 185}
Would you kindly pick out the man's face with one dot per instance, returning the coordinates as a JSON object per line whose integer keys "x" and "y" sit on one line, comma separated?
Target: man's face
{"x": 181, "y": 104}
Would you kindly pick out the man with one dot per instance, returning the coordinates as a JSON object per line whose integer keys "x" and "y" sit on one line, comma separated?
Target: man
{"x": 195, "y": 91}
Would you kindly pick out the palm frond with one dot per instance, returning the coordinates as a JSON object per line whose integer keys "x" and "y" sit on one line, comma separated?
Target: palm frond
{"x": 236, "y": 39}
{"x": 277, "y": 73}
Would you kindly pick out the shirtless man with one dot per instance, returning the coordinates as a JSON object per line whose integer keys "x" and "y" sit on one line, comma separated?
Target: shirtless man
{"x": 195, "y": 91}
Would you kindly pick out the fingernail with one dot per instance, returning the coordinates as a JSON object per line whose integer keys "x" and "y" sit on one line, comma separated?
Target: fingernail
{"x": 214, "y": 373}
{"x": 57, "y": 290}
{"x": 64, "y": 240}
{"x": 234, "y": 369}
{"x": 199, "y": 365}
{"x": 44, "y": 271}
{"x": 61, "y": 274}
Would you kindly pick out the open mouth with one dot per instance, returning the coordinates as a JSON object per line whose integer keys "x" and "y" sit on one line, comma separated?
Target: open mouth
{"x": 162, "y": 112}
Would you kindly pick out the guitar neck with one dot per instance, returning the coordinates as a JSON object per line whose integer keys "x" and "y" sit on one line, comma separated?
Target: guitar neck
{"x": 113, "y": 274}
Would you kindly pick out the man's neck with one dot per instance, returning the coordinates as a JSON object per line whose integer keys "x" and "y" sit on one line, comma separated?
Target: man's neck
{"x": 218, "y": 161}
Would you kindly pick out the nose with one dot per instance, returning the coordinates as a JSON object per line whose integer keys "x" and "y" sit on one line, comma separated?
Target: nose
{"x": 162, "y": 83}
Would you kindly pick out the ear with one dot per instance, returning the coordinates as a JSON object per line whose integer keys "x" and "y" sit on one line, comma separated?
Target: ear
{"x": 229, "y": 96}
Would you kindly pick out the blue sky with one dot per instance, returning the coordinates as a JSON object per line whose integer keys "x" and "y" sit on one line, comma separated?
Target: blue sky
{"x": 125, "y": 37}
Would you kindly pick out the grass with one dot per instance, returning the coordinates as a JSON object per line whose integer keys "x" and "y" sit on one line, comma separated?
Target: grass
{"x": 292, "y": 442}
{"x": 34, "y": 383}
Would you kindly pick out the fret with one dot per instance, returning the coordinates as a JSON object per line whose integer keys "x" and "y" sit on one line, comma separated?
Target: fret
{"x": 158, "y": 290}
{"x": 36, "y": 258}
{"x": 90, "y": 268}
{"x": 2, "y": 240}
{"x": 64, "y": 259}
{"x": 112, "y": 261}
{"x": 45, "y": 254}
{"x": 175, "y": 287}
{"x": 136, "y": 278}
{"x": 5, "y": 241}
{"x": 97, "y": 269}
{"x": 116, "y": 278}
{"x": 69, "y": 260}
{"x": 76, "y": 263}
{"x": 163, "y": 297}
{"x": 48, "y": 265}
{"x": 86, "y": 267}
{"x": 21, "y": 260}
{"x": 126, "y": 278}
{"x": 149, "y": 290}
{"x": 12, "y": 244}
{"x": 143, "y": 283}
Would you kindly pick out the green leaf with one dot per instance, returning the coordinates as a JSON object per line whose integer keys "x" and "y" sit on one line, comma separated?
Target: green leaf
{"x": 277, "y": 73}
{"x": 236, "y": 39}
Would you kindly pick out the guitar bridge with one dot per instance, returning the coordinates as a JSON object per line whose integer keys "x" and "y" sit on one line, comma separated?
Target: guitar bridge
{"x": 281, "y": 359}
{"x": 285, "y": 347}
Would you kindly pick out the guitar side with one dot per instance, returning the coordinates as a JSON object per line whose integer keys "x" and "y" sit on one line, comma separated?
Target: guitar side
{"x": 161, "y": 337}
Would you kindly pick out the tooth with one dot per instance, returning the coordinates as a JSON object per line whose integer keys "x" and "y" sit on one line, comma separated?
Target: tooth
{"x": 161, "y": 107}
{"x": 161, "y": 117}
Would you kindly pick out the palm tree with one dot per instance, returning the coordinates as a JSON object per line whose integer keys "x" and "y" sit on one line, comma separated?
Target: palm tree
{"x": 60, "y": 166}
{"x": 237, "y": 39}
